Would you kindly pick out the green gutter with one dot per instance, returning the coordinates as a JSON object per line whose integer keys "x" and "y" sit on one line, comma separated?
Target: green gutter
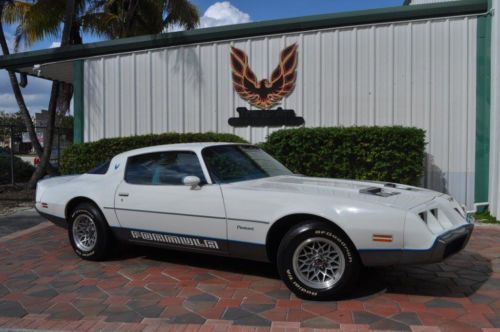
{"x": 392, "y": 14}
{"x": 483, "y": 97}
{"x": 78, "y": 101}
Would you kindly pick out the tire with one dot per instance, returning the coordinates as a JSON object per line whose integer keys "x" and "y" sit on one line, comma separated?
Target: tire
{"x": 90, "y": 220}
{"x": 336, "y": 256}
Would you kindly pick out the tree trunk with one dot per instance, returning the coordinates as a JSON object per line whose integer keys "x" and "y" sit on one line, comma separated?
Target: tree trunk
{"x": 63, "y": 102}
{"x": 25, "y": 114}
{"x": 48, "y": 138}
{"x": 69, "y": 17}
{"x": 70, "y": 36}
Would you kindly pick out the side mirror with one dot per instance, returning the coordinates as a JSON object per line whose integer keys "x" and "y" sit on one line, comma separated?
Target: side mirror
{"x": 192, "y": 181}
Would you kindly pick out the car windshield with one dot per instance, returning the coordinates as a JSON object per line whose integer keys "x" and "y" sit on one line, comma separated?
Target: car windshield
{"x": 233, "y": 163}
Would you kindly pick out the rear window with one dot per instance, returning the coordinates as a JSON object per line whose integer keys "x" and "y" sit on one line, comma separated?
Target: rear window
{"x": 101, "y": 169}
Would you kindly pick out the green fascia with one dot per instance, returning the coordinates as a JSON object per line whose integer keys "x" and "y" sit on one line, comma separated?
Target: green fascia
{"x": 483, "y": 98}
{"x": 78, "y": 101}
{"x": 391, "y": 14}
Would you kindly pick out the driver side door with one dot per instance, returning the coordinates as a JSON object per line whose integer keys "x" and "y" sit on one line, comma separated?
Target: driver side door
{"x": 155, "y": 207}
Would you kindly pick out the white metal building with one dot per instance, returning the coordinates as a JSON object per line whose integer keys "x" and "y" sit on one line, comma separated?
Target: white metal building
{"x": 425, "y": 65}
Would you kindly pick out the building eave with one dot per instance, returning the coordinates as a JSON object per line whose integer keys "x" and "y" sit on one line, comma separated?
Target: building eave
{"x": 401, "y": 13}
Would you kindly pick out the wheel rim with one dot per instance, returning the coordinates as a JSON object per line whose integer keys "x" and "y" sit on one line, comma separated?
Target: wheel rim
{"x": 318, "y": 263}
{"x": 84, "y": 232}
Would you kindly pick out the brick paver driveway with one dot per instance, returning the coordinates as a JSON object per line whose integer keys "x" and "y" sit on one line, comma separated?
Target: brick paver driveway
{"x": 44, "y": 285}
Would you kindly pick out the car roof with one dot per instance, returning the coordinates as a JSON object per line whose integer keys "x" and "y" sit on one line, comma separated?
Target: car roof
{"x": 179, "y": 146}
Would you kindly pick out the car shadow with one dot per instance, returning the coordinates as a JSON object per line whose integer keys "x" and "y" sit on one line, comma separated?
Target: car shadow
{"x": 459, "y": 276}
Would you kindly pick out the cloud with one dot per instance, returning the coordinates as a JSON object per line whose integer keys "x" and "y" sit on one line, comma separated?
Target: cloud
{"x": 223, "y": 13}
{"x": 218, "y": 14}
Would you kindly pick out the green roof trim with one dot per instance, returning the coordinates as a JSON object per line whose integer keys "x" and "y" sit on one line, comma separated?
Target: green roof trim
{"x": 78, "y": 101}
{"x": 391, "y": 14}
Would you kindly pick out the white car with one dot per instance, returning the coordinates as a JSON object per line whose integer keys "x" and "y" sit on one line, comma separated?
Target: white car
{"x": 236, "y": 200}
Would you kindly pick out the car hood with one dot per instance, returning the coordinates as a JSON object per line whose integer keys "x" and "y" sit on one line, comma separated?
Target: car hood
{"x": 384, "y": 193}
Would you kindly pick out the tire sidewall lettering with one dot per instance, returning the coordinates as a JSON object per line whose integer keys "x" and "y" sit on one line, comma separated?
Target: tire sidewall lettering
{"x": 338, "y": 240}
{"x": 291, "y": 277}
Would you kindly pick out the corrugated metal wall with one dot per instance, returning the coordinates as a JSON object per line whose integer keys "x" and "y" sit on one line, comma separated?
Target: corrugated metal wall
{"x": 420, "y": 73}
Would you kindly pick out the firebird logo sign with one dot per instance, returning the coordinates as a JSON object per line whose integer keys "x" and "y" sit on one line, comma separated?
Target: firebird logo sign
{"x": 265, "y": 93}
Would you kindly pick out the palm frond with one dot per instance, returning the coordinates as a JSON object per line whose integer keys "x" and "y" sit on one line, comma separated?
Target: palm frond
{"x": 14, "y": 11}
{"x": 101, "y": 24}
{"x": 181, "y": 12}
{"x": 41, "y": 20}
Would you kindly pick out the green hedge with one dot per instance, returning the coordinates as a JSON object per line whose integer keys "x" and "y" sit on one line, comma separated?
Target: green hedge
{"x": 80, "y": 158}
{"x": 394, "y": 154}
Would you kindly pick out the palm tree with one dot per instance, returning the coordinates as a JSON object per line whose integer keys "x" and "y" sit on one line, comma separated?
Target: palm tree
{"x": 111, "y": 18}
{"x": 108, "y": 18}
{"x": 25, "y": 114}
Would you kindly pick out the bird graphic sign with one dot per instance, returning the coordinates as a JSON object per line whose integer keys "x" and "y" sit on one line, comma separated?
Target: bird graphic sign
{"x": 265, "y": 93}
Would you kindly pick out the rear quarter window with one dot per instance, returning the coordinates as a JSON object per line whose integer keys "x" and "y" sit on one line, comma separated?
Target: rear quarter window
{"x": 101, "y": 169}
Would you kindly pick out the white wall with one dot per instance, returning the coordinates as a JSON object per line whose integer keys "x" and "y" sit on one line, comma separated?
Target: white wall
{"x": 419, "y": 74}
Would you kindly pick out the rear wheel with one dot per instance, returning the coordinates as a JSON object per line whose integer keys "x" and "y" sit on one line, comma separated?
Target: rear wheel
{"x": 89, "y": 233}
{"x": 316, "y": 261}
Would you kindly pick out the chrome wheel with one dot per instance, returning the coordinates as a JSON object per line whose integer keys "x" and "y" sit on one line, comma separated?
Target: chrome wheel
{"x": 318, "y": 263}
{"x": 84, "y": 232}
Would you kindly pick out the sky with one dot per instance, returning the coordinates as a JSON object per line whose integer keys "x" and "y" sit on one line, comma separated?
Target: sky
{"x": 212, "y": 13}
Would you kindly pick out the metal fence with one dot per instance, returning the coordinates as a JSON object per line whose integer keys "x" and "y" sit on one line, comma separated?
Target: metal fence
{"x": 16, "y": 151}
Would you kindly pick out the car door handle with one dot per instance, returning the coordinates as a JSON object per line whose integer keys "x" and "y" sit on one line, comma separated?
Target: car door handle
{"x": 123, "y": 194}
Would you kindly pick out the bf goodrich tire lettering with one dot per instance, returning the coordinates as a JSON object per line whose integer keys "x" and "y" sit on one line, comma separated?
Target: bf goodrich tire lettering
{"x": 316, "y": 262}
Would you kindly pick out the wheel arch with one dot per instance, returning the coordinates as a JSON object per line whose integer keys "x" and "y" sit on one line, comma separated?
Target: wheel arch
{"x": 78, "y": 200}
{"x": 284, "y": 224}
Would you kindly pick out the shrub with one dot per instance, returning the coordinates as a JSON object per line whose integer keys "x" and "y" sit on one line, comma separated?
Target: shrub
{"x": 80, "y": 158}
{"x": 394, "y": 154}
{"x": 22, "y": 170}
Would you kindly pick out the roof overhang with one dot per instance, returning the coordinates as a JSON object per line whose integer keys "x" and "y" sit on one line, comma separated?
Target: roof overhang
{"x": 57, "y": 63}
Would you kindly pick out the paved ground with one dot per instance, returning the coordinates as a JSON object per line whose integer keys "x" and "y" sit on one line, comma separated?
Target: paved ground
{"x": 44, "y": 285}
{"x": 18, "y": 221}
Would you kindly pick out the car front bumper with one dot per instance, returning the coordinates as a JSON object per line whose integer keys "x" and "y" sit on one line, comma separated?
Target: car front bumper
{"x": 444, "y": 246}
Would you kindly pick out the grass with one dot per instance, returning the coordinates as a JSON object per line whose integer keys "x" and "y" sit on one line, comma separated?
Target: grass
{"x": 485, "y": 218}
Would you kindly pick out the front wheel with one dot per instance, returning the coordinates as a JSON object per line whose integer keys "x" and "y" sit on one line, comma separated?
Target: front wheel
{"x": 316, "y": 261}
{"x": 89, "y": 233}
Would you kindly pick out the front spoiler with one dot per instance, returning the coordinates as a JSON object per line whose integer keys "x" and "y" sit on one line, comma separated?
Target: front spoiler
{"x": 444, "y": 246}
{"x": 58, "y": 221}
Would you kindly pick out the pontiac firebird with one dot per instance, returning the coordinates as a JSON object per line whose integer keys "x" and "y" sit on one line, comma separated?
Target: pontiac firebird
{"x": 236, "y": 200}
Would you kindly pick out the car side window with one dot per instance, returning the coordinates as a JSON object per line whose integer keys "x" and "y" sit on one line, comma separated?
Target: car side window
{"x": 163, "y": 168}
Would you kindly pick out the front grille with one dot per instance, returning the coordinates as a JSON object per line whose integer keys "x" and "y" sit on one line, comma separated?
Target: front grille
{"x": 454, "y": 246}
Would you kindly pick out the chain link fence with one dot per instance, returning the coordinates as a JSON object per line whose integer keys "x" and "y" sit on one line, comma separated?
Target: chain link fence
{"x": 18, "y": 158}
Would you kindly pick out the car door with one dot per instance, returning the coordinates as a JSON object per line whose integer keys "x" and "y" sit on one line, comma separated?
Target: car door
{"x": 154, "y": 205}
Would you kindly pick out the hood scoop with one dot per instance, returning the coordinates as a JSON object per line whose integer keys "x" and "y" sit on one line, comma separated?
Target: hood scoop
{"x": 377, "y": 191}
